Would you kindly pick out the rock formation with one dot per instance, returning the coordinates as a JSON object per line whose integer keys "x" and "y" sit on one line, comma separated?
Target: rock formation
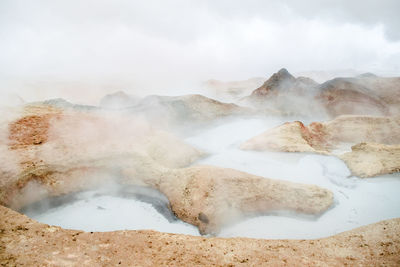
{"x": 210, "y": 197}
{"x": 284, "y": 82}
{"x": 327, "y": 136}
{"x": 284, "y": 94}
{"x": 370, "y": 159}
{"x": 332, "y": 137}
{"x": 361, "y": 95}
{"x": 290, "y": 137}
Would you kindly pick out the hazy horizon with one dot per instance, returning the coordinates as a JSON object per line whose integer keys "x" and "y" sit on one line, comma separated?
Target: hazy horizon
{"x": 170, "y": 47}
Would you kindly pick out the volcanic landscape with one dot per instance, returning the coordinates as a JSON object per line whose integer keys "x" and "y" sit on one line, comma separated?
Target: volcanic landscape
{"x": 281, "y": 171}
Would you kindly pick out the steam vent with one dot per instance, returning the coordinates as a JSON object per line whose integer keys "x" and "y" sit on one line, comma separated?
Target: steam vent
{"x": 117, "y": 149}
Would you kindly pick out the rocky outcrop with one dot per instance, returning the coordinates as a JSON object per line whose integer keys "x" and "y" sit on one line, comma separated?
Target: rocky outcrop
{"x": 327, "y": 136}
{"x": 54, "y": 149}
{"x": 54, "y": 135}
{"x": 290, "y": 137}
{"x": 284, "y": 82}
{"x": 210, "y": 197}
{"x": 336, "y": 136}
{"x": 48, "y": 142}
{"x": 26, "y": 242}
{"x": 284, "y": 94}
{"x": 370, "y": 159}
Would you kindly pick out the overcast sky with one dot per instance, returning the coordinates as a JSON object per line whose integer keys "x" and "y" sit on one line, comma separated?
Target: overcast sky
{"x": 168, "y": 41}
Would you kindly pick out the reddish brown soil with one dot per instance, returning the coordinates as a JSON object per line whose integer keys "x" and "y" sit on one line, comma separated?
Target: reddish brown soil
{"x": 24, "y": 242}
{"x": 30, "y": 130}
{"x": 314, "y": 134}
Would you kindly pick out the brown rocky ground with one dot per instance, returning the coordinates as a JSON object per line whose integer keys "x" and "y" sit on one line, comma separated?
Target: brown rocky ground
{"x": 25, "y": 242}
{"x": 331, "y": 137}
{"x": 370, "y": 159}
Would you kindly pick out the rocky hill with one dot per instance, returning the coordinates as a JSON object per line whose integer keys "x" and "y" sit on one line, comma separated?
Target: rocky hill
{"x": 365, "y": 94}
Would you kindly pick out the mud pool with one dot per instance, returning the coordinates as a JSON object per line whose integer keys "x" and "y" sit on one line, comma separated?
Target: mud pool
{"x": 357, "y": 201}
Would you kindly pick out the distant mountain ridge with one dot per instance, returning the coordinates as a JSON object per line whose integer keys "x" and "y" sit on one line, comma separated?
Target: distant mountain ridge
{"x": 363, "y": 94}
